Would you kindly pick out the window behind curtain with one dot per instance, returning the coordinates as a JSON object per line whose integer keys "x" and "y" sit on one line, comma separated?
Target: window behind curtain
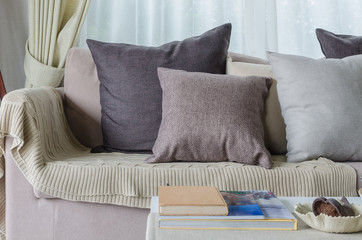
{"x": 258, "y": 25}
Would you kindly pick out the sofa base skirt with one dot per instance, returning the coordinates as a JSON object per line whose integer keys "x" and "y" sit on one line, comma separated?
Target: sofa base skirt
{"x": 28, "y": 217}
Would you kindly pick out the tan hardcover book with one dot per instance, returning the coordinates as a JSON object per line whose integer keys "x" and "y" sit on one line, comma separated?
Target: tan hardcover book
{"x": 191, "y": 201}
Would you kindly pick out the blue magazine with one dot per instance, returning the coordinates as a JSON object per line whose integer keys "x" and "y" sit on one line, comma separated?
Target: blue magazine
{"x": 242, "y": 203}
{"x": 271, "y": 206}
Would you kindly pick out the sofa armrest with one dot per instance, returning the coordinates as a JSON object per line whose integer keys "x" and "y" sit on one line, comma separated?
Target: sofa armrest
{"x": 35, "y": 119}
{"x": 30, "y": 117}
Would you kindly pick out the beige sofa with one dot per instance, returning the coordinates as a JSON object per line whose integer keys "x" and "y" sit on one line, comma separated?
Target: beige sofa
{"x": 41, "y": 207}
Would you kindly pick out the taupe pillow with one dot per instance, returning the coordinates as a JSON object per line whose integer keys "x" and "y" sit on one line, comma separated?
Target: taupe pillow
{"x": 211, "y": 118}
{"x": 321, "y": 102}
{"x": 274, "y": 127}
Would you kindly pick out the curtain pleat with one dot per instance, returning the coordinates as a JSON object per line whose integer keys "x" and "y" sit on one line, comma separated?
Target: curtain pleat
{"x": 54, "y": 26}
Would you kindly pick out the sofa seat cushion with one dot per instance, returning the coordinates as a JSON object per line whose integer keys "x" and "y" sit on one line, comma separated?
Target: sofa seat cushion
{"x": 358, "y": 168}
{"x": 124, "y": 179}
{"x": 55, "y": 163}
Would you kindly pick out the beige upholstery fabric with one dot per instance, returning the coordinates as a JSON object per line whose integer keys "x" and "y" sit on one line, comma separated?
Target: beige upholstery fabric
{"x": 54, "y": 27}
{"x": 81, "y": 97}
{"x": 238, "y": 57}
{"x": 274, "y": 127}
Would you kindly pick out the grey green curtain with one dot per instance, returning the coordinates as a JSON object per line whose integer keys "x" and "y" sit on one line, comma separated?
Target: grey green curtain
{"x": 54, "y": 26}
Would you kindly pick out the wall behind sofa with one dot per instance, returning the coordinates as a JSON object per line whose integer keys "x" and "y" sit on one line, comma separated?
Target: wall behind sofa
{"x": 13, "y": 35}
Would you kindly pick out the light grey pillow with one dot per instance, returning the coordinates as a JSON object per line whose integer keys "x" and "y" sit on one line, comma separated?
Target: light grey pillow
{"x": 211, "y": 118}
{"x": 321, "y": 102}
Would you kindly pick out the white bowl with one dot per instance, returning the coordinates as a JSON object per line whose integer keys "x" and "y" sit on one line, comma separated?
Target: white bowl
{"x": 326, "y": 223}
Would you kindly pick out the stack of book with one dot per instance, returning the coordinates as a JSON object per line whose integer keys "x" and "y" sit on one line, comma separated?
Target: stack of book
{"x": 181, "y": 207}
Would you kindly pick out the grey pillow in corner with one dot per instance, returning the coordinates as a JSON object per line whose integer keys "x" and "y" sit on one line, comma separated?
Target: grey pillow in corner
{"x": 337, "y": 45}
{"x": 130, "y": 92}
{"x": 211, "y": 118}
{"x": 321, "y": 102}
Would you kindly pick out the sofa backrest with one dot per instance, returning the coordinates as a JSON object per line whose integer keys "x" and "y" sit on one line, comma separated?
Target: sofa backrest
{"x": 81, "y": 97}
{"x": 238, "y": 57}
{"x": 274, "y": 127}
{"x": 82, "y": 100}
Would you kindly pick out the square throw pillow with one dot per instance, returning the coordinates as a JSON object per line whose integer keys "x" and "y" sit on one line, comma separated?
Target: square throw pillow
{"x": 321, "y": 102}
{"x": 130, "y": 92}
{"x": 337, "y": 45}
{"x": 274, "y": 127}
{"x": 211, "y": 118}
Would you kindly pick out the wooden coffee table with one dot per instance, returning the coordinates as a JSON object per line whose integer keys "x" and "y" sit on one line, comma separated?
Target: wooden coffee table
{"x": 303, "y": 232}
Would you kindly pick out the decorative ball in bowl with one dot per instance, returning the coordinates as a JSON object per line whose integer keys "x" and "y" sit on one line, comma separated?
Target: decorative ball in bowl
{"x": 342, "y": 217}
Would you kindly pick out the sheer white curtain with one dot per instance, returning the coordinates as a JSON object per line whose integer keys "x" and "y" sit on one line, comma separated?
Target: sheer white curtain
{"x": 297, "y": 21}
{"x": 155, "y": 22}
{"x": 258, "y": 25}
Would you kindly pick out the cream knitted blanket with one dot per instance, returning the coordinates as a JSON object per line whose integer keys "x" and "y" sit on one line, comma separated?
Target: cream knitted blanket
{"x": 55, "y": 163}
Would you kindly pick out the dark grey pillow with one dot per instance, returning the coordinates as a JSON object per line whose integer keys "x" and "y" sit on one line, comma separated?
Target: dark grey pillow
{"x": 130, "y": 91}
{"x": 338, "y": 46}
{"x": 211, "y": 118}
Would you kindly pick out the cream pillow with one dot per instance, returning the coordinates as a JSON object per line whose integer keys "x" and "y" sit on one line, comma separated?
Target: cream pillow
{"x": 274, "y": 127}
